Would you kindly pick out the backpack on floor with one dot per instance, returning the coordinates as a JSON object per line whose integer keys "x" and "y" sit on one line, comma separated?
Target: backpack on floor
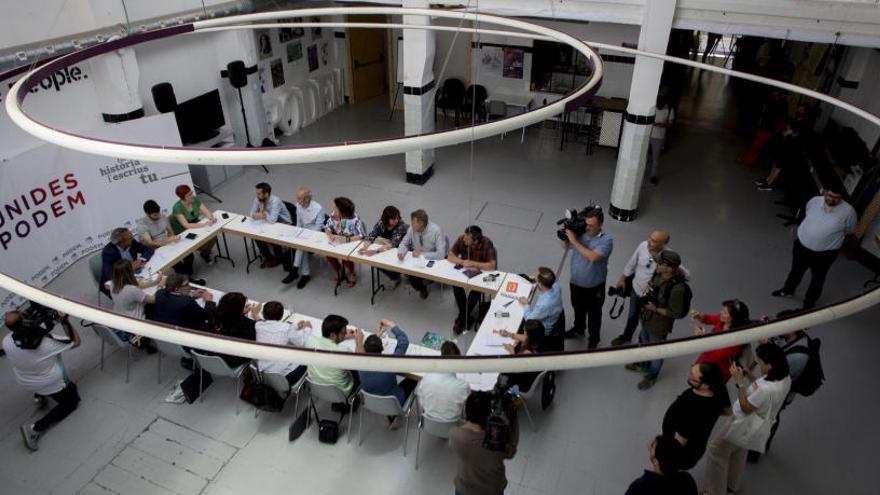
{"x": 813, "y": 375}
{"x": 255, "y": 392}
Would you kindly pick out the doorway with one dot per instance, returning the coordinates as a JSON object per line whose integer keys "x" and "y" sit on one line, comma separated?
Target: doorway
{"x": 367, "y": 59}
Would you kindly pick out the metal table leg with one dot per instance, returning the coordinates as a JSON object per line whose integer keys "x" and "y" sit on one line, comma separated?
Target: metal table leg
{"x": 247, "y": 253}
{"x": 220, "y": 251}
{"x": 376, "y": 285}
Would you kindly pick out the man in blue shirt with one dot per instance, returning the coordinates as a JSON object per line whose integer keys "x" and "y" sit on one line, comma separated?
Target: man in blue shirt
{"x": 385, "y": 383}
{"x": 548, "y": 302}
{"x": 122, "y": 246}
{"x": 271, "y": 209}
{"x": 589, "y": 268}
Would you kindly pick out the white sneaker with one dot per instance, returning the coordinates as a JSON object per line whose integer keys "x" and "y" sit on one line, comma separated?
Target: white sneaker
{"x": 176, "y": 396}
{"x": 30, "y": 436}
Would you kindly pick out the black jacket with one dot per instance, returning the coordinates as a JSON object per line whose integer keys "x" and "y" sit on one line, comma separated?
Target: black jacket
{"x": 182, "y": 311}
{"x": 110, "y": 254}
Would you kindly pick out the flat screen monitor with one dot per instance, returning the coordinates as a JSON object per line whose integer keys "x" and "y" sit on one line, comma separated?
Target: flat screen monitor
{"x": 200, "y": 118}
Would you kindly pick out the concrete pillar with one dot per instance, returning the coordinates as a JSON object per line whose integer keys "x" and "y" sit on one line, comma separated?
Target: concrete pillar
{"x": 115, "y": 76}
{"x": 419, "y": 46}
{"x": 639, "y": 118}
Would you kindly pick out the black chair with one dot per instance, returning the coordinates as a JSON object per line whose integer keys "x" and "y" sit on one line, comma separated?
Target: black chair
{"x": 451, "y": 97}
{"x": 474, "y": 102}
{"x": 291, "y": 208}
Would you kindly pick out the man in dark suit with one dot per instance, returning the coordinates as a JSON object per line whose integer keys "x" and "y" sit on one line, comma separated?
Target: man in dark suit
{"x": 176, "y": 304}
{"x": 122, "y": 245}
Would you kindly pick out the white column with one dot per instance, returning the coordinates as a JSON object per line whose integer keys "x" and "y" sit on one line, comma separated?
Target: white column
{"x": 639, "y": 117}
{"x": 419, "y": 46}
{"x": 115, "y": 76}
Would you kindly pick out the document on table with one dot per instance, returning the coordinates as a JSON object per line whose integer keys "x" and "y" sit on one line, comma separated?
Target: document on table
{"x": 515, "y": 286}
{"x": 495, "y": 340}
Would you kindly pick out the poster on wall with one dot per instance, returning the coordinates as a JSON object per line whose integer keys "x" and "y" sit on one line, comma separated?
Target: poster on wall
{"x": 51, "y": 219}
{"x": 291, "y": 33}
{"x": 316, "y": 31}
{"x": 264, "y": 43}
{"x": 294, "y": 51}
{"x": 277, "y": 73}
{"x": 325, "y": 53}
{"x": 313, "y": 58}
{"x": 513, "y": 63}
{"x": 491, "y": 60}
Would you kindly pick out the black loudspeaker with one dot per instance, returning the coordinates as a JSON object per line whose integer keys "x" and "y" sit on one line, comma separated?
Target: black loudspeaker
{"x": 163, "y": 97}
{"x": 237, "y": 74}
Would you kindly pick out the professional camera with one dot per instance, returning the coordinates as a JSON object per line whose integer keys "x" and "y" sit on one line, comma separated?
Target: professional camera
{"x": 500, "y": 427}
{"x": 37, "y": 322}
{"x": 575, "y": 221}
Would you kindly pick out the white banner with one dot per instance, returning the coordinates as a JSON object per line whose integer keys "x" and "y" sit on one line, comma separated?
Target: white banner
{"x": 58, "y": 205}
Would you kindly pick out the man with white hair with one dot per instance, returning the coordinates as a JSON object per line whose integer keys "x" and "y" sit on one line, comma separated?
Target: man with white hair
{"x": 309, "y": 215}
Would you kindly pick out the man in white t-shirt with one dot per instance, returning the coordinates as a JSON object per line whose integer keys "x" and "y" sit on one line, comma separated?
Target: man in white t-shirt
{"x": 820, "y": 236}
{"x": 663, "y": 117}
{"x": 442, "y": 395}
{"x": 274, "y": 331}
{"x": 39, "y": 369}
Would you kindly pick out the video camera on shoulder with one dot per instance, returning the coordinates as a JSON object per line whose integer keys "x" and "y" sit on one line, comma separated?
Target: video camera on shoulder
{"x": 37, "y": 321}
{"x": 499, "y": 434}
{"x": 575, "y": 221}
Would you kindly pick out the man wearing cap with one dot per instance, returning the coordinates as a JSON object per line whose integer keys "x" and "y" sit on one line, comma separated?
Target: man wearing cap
{"x": 667, "y": 299}
{"x": 819, "y": 237}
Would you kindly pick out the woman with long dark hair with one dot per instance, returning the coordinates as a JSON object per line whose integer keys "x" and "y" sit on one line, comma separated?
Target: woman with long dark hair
{"x": 734, "y": 314}
{"x": 231, "y": 320}
{"x": 691, "y": 417}
{"x": 757, "y": 404}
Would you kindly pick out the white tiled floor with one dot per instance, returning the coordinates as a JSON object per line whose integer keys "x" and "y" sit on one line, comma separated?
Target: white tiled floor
{"x": 592, "y": 440}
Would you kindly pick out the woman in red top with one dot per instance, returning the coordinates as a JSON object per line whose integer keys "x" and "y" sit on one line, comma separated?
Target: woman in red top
{"x": 733, "y": 314}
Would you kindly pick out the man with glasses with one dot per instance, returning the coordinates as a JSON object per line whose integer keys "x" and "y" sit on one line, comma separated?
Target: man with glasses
{"x": 819, "y": 237}
{"x": 176, "y": 304}
{"x": 639, "y": 270}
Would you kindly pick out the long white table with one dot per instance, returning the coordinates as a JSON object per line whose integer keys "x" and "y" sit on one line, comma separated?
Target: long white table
{"x": 170, "y": 254}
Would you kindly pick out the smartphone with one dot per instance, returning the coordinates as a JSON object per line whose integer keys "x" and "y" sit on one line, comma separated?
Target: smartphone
{"x": 224, "y": 215}
{"x": 191, "y": 236}
{"x": 457, "y": 267}
{"x": 430, "y": 264}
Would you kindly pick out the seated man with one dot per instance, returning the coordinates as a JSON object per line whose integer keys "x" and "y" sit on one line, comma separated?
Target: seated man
{"x": 273, "y": 331}
{"x": 424, "y": 239}
{"x": 271, "y": 209}
{"x": 176, "y": 304}
{"x": 333, "y": 331}
{"x": 154, "y": 231}
{"x": 122, "y": 246}
{"x": 547, "y": 305}
{"x": 442, "y": 395}
{"x": 309, "y": 215}
{"x": 472, "y": 251}
{"x": 385, "y": 383}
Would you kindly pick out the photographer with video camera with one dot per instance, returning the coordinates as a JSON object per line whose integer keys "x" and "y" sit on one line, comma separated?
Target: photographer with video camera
{"x": 589, "y": 267}
{"x": 488, "y": 437}
{"x": 35, "y": 355}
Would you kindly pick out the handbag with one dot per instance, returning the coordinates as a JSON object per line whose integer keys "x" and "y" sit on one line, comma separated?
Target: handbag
{"x": 750, "y": 431}
{"x": 328, "y": 431}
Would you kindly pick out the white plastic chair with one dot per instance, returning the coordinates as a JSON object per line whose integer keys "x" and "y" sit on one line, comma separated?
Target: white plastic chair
{"x": 331, "y": 394}
{"x": 386, "y": 405}
{"x": 95, "y": 268}
{"x": 279, "y": 383}
{"x": 534, "y": 391}
{"x": 108, "y": 336}
{"x": 216, "y": 366}
{"x": 435, "y": 427}
{"x": 170, "y": 350}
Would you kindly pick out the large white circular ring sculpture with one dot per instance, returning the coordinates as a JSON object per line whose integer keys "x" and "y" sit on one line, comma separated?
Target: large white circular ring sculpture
{"x": 304, "y": 154}
{"x": 534, "y": 362}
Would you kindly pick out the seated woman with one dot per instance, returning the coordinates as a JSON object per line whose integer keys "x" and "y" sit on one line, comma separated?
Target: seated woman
{"x": 529, "y": 341}
{"x": 190, "y": 213}
{"x": 231, "y": 320}
{"x": 734, "y": 313}
{"x": 129, "y": 299}
{"x": 344, "y": 226}
{"x": 388, "y": 232}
